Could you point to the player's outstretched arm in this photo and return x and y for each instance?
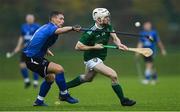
(67, 29)
(81, 47)
(19, 45)
(17, 48)
(161, 46)
(117, 41)
(63, 29)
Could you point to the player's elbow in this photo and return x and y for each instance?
(78, 47)
(139, 45)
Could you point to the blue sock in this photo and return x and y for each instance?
(147, 77)
(35, 76)
(45, 87)
(24, 72)
(147, 74)
(154, 76)
(60, 81)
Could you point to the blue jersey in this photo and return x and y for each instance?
(42, 39)
(27, 31)
(148, 43)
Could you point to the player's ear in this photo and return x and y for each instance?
(53, 18)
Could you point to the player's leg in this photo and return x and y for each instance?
(24, 72)
(44, 89)
(148, 72)
(87, 77)
(89, 73)
(60, 81)
(35, 77)
(107, 71)
(154, 75)
(148, 69)
(40, 65)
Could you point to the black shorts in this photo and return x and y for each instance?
(38, 65)
(148, 59)
(22, 57)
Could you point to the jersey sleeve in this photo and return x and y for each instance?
(52, 30)
(110, 28)
(86, 37)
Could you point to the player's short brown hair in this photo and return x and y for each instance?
(54, 13)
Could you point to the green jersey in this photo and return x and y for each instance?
(91, 38)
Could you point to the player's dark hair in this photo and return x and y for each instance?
(54, 13)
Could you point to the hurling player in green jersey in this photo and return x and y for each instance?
(94, 54)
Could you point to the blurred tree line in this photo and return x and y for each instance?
(165, 14)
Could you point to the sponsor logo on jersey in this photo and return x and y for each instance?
(27, 37)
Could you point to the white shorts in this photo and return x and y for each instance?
(90, 64)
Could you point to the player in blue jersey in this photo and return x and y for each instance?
(38, 47)
(27, 30)
(150, 72)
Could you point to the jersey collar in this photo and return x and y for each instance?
(98, 27)
(53, 24)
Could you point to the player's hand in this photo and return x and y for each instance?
(163, 52)
(98, 46)
(122, 47)
(9, 55)
(76, 28)
(49, 53)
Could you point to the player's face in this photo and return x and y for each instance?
(59, 20)
(106, 20)
(30, 19)
(103, 21)
(147, 26)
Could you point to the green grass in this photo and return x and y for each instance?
(97, 95)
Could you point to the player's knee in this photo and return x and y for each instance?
(89, 80)
(113, 76)
(82, 78)
(22, 65)
(149, 66)
(86, 78)
(50, 78)
(59, 69)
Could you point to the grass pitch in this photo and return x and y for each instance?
(98, 95)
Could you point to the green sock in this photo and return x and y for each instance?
(118, 90)
(75, 82)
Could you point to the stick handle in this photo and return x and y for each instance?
(132, 49)
(136, 50)
(115, 47)
(110, 46)
(144, 51)
(120, 33)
